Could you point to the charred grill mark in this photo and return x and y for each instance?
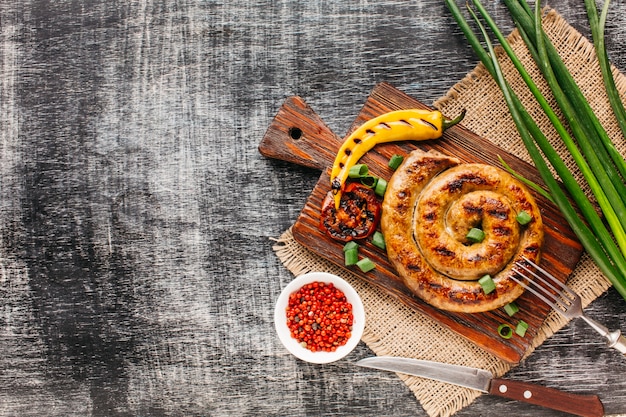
(472, 209)
(457, 185)
(427, 123)
(414, 267)
(502, 231)
(534, 248)
(476, 258)
(443, 251)
(429, 216)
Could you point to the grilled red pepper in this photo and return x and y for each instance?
(357, 216)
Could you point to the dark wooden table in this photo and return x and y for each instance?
(137, 270)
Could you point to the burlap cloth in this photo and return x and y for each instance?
(392, 328)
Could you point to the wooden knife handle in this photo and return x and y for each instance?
(577, 404)
(298, 135)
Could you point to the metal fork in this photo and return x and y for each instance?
(562, 299)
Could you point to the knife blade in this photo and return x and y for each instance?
(482, 380)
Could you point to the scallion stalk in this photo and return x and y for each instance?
(597, 245)
(612, 160)
(597, 25)
(607, 196)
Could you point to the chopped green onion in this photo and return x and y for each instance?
(521, 328)
(486, 282)
(369, 181)
(475, 235)
(378, 240)
(350, 245)
(395, 161)
(381, 187)
(366, 264)
(511, 308)
(358, 171)
(523, 218)
(505, 331)
(351, 256)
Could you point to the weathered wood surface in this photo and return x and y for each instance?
(138, 276)
(298, 132)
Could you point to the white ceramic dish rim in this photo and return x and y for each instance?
(292, 345)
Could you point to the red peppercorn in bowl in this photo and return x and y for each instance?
(319, 317)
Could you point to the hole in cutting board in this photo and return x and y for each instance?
(295, 133)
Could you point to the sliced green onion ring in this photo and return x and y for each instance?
(366, 265)
(351, 256)
(521, 328)
(358, 170)
(475, 235)
(505, 331)
(487, 284)
(381, 187)
(511, 308)
(523, 217)
(395, 161)
(378, 240)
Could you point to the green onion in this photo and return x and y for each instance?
(487, 284)
(523, 217)
(526, 181)
(366, 265)
(475, 235)
(521, 328)
(591, 231)
(395, 161)
(350, 245)
(358, 171)
(505, 331)
(381, 187)
(351, 256)
(511, 308)
(378, 240)
(597, 26)
(369, 181)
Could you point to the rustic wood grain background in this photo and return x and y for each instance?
(137, 271)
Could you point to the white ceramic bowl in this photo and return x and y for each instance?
(292, 345)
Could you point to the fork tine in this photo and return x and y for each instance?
(553, 279)
(551, 302)
(559, 301)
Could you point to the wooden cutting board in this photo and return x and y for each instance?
(298, 135)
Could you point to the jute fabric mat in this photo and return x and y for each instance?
(394, 329)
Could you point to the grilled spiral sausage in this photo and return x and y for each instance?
(431, 203)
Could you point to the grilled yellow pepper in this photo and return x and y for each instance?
(411, 124)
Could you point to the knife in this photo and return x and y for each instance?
(482, 380)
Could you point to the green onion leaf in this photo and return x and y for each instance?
(395, 161)
(487, 284)
(366, 265)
